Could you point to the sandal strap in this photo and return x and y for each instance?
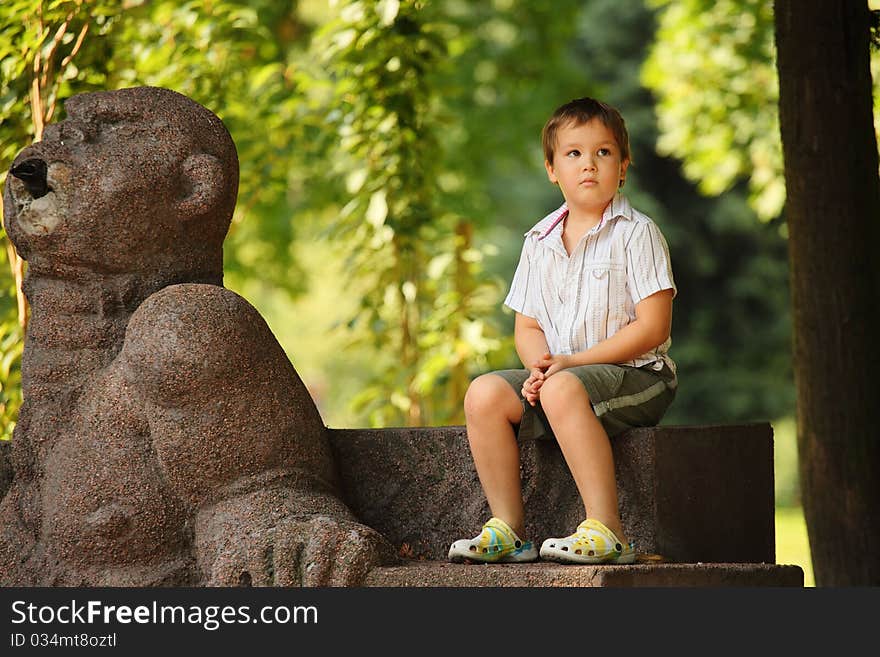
(496, 542)
(598, 526)
(592, 535)
(499, 536)
(496, 538)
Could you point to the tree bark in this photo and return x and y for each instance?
(833, 215)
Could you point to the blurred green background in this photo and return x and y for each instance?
(391, 161)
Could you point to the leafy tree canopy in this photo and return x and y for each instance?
(713, 70)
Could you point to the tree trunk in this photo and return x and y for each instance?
(833, 214)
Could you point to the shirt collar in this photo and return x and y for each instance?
(618, 207)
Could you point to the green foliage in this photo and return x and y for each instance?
(713, 70)
(413, 261)
(434, 104)
(874, 5)
(11, 343)
(792, 543)
(407, 135)
(232, 56)
(785, 464)
(42, 45)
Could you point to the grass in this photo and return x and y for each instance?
(792, 546)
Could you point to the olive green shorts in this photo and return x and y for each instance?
(622, 397)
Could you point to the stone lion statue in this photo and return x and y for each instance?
(164, 438)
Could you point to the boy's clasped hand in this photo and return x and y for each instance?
(540, 371)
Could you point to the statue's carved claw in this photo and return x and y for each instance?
(310, 551)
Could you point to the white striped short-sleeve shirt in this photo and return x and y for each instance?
(582, 299)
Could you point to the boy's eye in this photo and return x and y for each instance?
(573, 153)
(604, 151)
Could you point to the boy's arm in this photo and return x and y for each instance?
(531, 343)
(650, 329)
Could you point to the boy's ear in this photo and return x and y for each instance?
(203, 181)
(550, 173)
(623, 167)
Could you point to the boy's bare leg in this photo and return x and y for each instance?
(585, 445)
(491, 408)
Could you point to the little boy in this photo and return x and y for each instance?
(593, 299)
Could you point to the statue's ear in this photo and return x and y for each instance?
(202, 185)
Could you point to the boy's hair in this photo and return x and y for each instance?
(579, 111)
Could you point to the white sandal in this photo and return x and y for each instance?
(592, 543)
(496, 543)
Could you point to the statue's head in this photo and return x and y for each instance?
(140, 180)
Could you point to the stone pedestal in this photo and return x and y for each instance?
(697, 501)
(687, 494)
(543, 574)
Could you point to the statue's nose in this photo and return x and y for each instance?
(33, 174)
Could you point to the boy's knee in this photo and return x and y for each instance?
(561, 391)
(485, 395)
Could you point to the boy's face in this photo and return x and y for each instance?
(587, 166)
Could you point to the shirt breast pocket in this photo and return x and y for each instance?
(606, 282)
(606, 270)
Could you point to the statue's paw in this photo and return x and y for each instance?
(314, 551)
(325, 551)
(238, 559)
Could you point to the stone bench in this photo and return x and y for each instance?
(545, 574)
(698, 502)
(687, 494)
